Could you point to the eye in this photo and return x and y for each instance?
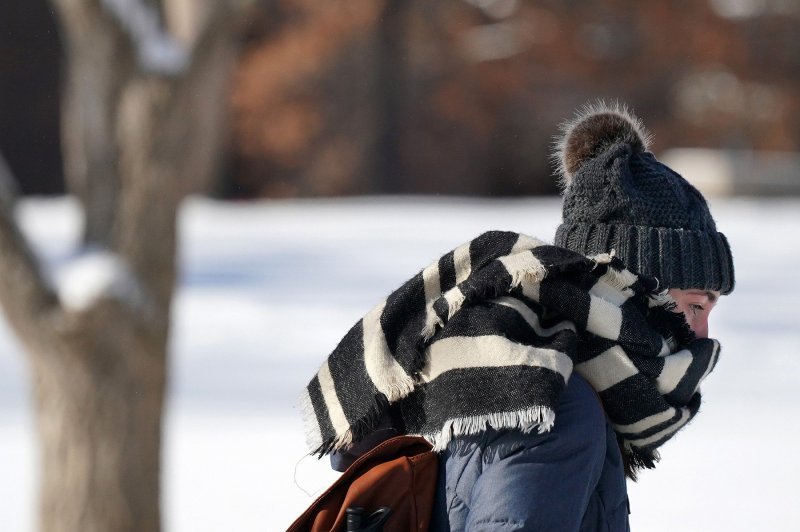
(695, 308)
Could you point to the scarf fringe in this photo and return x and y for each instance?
(641, 459)
(313, 437)
(455, 300)
(340, 443)
(400, 388)
(637, 460)
(432, 321)
(528, 274)
(662, 299)
(538, 417)
(668, 322)
(354, 433)
(622, 280)
(603, 258)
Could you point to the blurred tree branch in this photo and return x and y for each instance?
(24, 293)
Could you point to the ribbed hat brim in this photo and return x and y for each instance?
(678, 258)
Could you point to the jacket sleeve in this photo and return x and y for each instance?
(541, 481)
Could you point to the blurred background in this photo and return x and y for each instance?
(449, 97)
(355, 142)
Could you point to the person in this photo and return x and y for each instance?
(617, 197)
(544, 375)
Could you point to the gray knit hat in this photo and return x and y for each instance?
(618, 196)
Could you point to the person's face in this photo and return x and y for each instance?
(696, 305)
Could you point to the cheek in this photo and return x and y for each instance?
(699, 325)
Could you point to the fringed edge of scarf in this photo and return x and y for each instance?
(540, 418)
(635, 459)
(669, 323)
(354, 433)
(309, 416)
(523, 268)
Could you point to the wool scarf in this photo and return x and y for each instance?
(488, 336)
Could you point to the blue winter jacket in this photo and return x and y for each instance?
(568, 479)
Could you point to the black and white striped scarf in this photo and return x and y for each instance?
(489, 335)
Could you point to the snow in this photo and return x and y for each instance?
(95, 274)
(267, 289)
(156, 49)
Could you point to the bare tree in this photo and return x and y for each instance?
(142, 128)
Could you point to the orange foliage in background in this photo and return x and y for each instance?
(349, 97)
(300, 98)
(463, 97)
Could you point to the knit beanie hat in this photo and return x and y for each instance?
(617, 196)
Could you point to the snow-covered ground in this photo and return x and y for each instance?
(267, 290)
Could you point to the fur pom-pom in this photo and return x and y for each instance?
(595, 128)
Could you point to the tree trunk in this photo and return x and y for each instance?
(137, 139)
(99, 400)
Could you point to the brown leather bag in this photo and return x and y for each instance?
(399, 473)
